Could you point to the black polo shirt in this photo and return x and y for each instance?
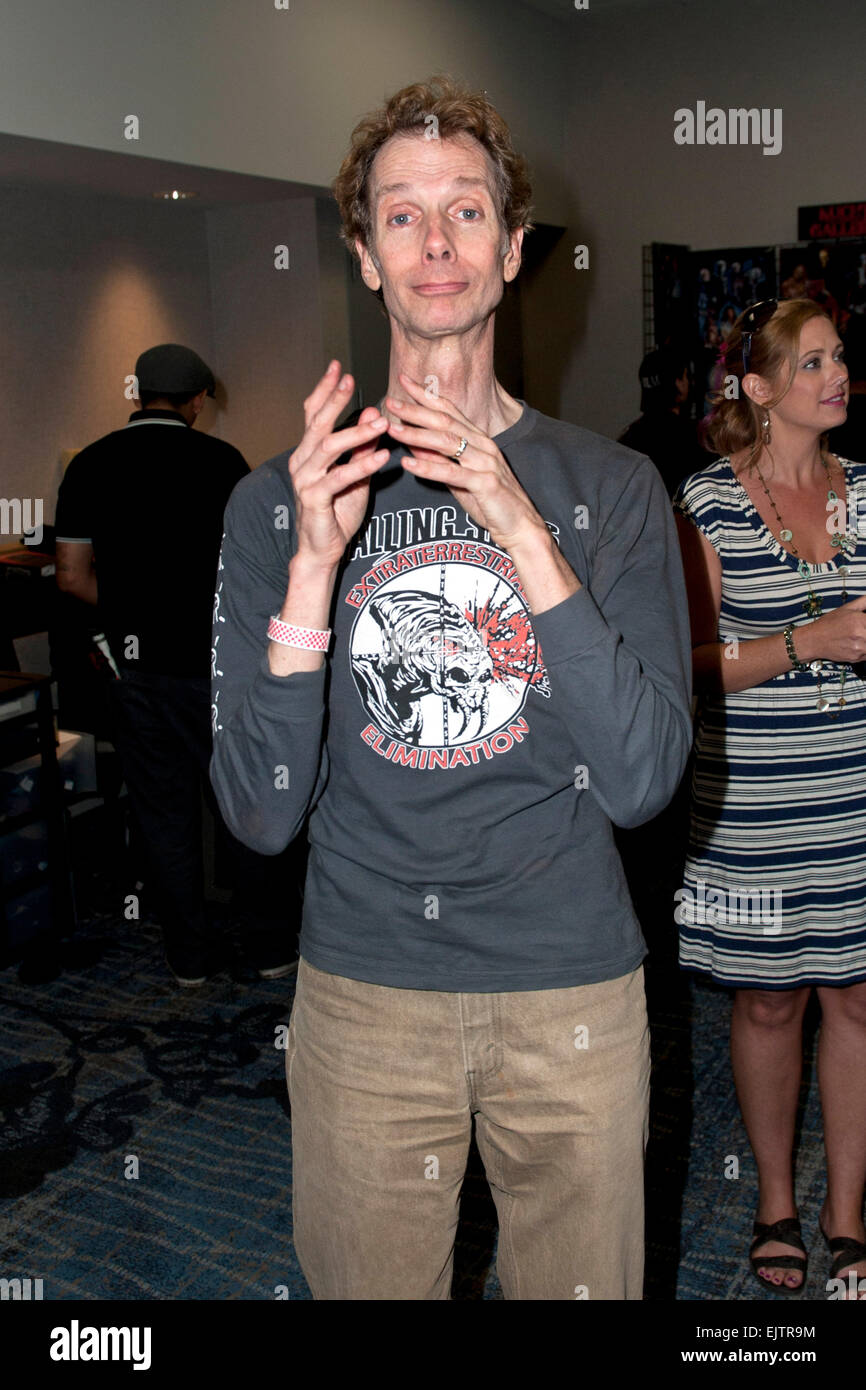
(671, 441)
(150, 499)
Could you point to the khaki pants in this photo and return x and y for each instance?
(383, 1085)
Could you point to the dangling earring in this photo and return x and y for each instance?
(765, 427)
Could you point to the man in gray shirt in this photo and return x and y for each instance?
(454, 633)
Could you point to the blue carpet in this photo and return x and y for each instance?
(112, 1062)
(718, 1211)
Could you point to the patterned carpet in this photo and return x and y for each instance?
(111, 1063)
(699, 1219)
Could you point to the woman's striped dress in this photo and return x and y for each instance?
(774, 894)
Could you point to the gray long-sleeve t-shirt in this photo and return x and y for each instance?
(461, 759)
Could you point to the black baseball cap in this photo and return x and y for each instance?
(171, 370)
(659, 372)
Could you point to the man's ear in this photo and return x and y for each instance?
(372, 278)
(511, 263)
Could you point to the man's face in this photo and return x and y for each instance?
(437, 240)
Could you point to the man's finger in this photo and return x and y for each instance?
(322, 389)
(344, 441)
(416, 390)
(440, 441)
(440, 470)
(432, 416)
(322, 455)
(321, 421)
(440, 419)
(360, 466)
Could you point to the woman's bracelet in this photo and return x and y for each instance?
(307, 639)
(789, 648)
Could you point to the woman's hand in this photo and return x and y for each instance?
(837, 636)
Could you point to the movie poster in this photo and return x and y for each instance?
(831, 273)
(724, 283)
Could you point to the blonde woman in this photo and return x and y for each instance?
(774, 900)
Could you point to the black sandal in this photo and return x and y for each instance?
(847, 1251)
(787, 1231)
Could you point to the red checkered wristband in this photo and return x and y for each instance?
(308, 639)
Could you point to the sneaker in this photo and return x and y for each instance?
(276, 972)
(185, 976)
(193, 961)
(192, 968)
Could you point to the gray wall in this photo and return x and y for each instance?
(590, 99)
(87, 283)
(632, 184)
(268, 323)
(238, 84)
(84, 287)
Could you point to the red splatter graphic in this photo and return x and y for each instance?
(512, 645)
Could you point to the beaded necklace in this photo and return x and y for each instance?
(813, 603)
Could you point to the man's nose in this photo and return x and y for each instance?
(437, 242)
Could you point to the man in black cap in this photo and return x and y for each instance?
(663, 432)
(139, 523)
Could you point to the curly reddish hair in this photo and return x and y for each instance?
(458, 112)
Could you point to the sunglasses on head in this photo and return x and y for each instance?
(754, 320)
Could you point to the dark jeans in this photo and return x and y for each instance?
(162, 730)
